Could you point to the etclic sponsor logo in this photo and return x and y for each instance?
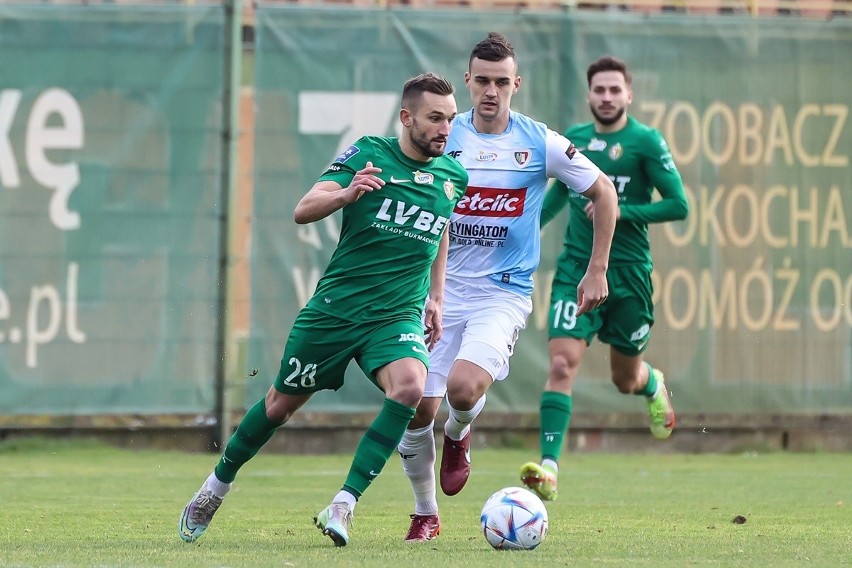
(492, 202)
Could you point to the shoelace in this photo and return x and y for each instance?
(205, 505)
(342, 512)
(543, 477)
(419, 526)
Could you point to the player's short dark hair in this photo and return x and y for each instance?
(608, 63)
(424, 83)
(493, 48)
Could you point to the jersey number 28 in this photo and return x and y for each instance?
(306, 376)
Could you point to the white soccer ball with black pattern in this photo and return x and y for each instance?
(514, 518)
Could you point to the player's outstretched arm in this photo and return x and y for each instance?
(326, 197)
(593, 290)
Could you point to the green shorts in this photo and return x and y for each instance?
(624, 321)
(321, 346)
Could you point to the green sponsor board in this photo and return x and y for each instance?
(753, 292)
(110, 129)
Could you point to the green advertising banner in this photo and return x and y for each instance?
(753, 292)
(110, 141)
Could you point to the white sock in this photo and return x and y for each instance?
(219, 488)
(551, 464)
(344, 496)
(417, 450)
(457, 425)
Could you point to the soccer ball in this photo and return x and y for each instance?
(514, 519)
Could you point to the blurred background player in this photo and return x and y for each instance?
(494, 250)
(637, 159)
(393, 243)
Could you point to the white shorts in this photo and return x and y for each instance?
(480, 325)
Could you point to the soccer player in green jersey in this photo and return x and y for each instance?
(637, 159)
(383, 285)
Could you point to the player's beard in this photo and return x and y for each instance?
(427, 146)
(608, 120)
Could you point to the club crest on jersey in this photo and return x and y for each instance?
(486, 156)
(596, 145)
(423, 178)
(522, 157)
(347, 153)
(616, 152)
(449, 189)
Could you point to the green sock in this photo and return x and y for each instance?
(377, 445)
(254, 431)
(555, 417)
(651, 386)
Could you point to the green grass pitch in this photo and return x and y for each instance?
(85, 504)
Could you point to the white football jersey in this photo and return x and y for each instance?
(494, 229)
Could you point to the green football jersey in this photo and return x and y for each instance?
(637, 160)
(388, 237)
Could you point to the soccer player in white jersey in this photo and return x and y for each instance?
(494, 250)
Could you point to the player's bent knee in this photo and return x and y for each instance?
(560, 369)
(406, 389)
(465, 395)
(407, 396)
